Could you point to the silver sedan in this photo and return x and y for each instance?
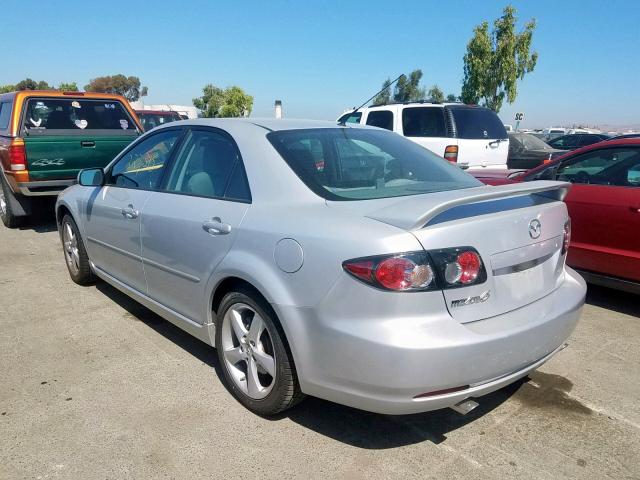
(343, 262)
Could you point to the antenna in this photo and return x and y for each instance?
(344, 122)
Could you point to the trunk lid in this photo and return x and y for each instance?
(522, 265)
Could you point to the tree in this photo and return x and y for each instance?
(436, 94)
(408, 89)
(29, 84)
(384, 97)
(68, 87)
(128, 87)
(495, 61)
(7, 88)
(452, 98)
(230, 102)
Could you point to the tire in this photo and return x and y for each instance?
(7, 215)
(248, 357)
(75, 254)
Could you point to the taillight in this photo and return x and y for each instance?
(402, 273)
(17, 155)
(566, 237)
(420, 271)
(459, 267)
(451, 153)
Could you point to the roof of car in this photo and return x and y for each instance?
(269, 124)
(157, 112)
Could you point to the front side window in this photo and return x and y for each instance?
(477, 123)
(361, 164)
(351, 117)
(209, 165)
(45, 114)
(381, 118)
(142, 166)
(423, 122)
(609, 166)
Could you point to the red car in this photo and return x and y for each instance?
(604, 205)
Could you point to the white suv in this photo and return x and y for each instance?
(469, 135)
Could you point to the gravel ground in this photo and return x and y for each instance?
(95, 386)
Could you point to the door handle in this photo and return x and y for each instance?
(634, 208)
(215, 226)
(87, 144)
(130, 212)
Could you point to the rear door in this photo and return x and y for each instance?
(482, 138)
(64, 135)
(189, 226)
(427, 126)
(604, 205)
(112, 216)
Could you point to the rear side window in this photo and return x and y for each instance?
(381, 118)
(362, 164)
(44, 114)
(5, 114)
(207, 166)
(423, 122)
(477, 123)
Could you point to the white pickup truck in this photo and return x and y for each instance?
(471, 136)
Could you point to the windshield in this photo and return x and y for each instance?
(151, 120)
(477, 123)
(362, 164)
(531, 143)
(75, 114)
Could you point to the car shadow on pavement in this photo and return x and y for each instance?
(344, 424)
(616, 300)
(43, 218)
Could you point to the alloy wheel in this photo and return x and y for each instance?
(71, 253)
(248, 351)
(3, 203)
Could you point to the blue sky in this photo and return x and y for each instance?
(323, 57)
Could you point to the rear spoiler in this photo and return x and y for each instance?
(417, 212)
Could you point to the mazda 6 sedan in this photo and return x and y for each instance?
(343, 262)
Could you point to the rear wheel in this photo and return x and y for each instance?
(7, 215)
(257, 365)
(75, 254)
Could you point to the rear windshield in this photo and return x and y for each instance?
(152, 120)
(362, 164)
(530, 142)
(478, 123)
(44, 114)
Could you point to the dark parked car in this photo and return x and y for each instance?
(153, 118)
(527, 151)
(577, 140)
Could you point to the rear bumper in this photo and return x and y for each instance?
(382, 363)
(44, 187)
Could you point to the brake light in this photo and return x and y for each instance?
(566, 237)
(17, 155)
(403, 272)
(451, 153)
(420, 271)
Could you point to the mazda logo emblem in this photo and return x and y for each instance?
(535, 228)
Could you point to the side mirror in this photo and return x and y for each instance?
(91, 177)
(633, 175)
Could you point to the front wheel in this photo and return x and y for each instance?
(258, 367)
(75, 254)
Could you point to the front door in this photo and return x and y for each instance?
(189, 226)
(604, 206)
(112, 215)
